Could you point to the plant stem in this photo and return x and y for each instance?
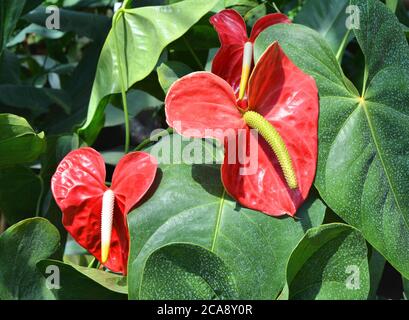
(197, 60)
(123, 83)
(276, 8)
(38, 206)
(91, 263)
(342, 47)
(149, 140)
(365, 80)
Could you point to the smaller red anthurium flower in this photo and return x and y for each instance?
(282, 107)
(228, 62)
(95, 215)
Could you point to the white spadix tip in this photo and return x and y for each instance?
(108, 203)
(245, 73)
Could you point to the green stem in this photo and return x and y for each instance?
(365, 80)
(192, 52)
(126, 4)
(123, 83)
(155, 137)
(342, 47)
(91, 263)
(40, 197)
(276, 8)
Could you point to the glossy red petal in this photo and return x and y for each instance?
(257, 182)
(288, 99)
(227, 62)
(267, 21)
(78, 186)
(202, 105)
(230, 26)
(133, 177)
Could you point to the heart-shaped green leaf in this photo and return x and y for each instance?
(18, 141)
(364, 138)
(191, 206)
(330, 263)
(132, 50)
(21, 247)
(168, 274)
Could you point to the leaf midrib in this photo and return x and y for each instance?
(378, 151)
(218, 220)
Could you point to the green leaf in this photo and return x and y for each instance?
(137, 37)
(21, 247)
(328, 18)
(330, 263)
(17, 183)
(37, 100)
(168, 274)
(392, 4)
(76, 282)
(405, 288)
(93, 26)
(38, 31)
(9, 68)
(363, 159)
(138, 101)
(376, 267)
(191, 206)
(169, 72)
(10, 11)
(18, 141)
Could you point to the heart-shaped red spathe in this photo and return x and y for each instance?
(78, 186)
(232, 32)
(285, 97)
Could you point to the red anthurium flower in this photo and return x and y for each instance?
(94, 214)
(235, 44)
(282, 106)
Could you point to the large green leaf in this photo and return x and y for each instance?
(17, 183)
(330, 263)
(76, 282)
(364, 142)
(132, 50)
(21, 247)
(37, 100)
(191, 206)
(169, 275)
(18, 141)
(93, 26)
(328, 18)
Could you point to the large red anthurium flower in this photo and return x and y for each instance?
(282, 107)
(95, 215)
(232, 31)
